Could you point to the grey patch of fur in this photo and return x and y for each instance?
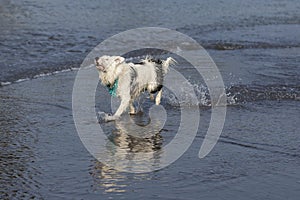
(133, 84)
(160, 73)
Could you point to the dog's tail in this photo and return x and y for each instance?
(166, 63)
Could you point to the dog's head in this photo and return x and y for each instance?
(107, 64)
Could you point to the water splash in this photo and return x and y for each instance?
(236, 94)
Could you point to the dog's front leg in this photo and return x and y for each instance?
(123, 106)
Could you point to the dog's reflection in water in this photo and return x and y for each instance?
(131, 148)
(139, 135)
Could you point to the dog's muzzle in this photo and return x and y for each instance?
(101, 68)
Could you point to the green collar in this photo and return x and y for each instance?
(112, 89)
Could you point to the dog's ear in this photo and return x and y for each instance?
(119, 59)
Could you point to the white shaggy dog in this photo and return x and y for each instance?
(129, 80)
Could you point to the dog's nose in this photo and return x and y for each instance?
(96, 58)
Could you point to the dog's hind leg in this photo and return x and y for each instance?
(158, 97)
(152, 97)
(131, 108)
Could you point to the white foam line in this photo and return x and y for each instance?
(5, 83)
(42, 75)
(38, 76)
(89, 66)
(22, 80)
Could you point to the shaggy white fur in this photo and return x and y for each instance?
(133, 79)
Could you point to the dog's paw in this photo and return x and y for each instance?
(104, 117)
(109, 118)
(151, 97)
(132, 113)
(101, 117)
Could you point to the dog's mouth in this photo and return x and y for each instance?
(101, 68)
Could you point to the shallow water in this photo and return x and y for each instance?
(255, 45)
(43, 157)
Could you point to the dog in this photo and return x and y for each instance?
(128, 80)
